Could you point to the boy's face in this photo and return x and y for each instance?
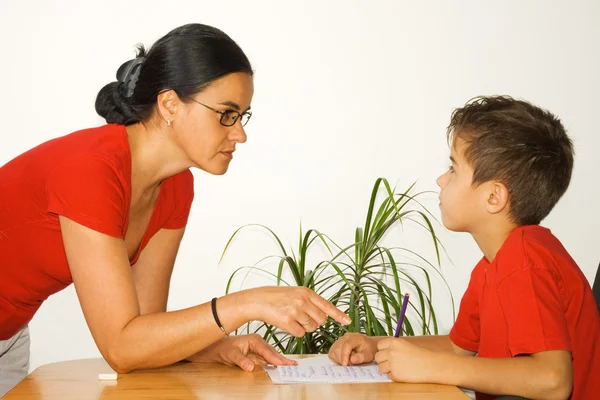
(462, 204)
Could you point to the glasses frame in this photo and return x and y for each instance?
(238, 116)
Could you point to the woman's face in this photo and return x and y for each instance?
(208, 143)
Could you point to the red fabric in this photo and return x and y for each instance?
(532, 297)
(84, 176)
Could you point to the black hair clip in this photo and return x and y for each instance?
(128, 75)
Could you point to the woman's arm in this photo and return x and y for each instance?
(153, 269)
(130, 340)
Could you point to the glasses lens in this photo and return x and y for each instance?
(229, 117)
(246, 117)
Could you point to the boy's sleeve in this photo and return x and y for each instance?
(530, 300)
(183, 196)
(87, 189)
(466, 330)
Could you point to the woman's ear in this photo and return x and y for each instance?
(498, 198)
(168, 103)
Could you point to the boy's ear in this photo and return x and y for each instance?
(497, 199)
(167, 104)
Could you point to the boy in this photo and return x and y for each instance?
(528, 313)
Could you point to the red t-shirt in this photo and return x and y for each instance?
(532, 297)
(85, 176)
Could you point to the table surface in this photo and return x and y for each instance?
(78, 379)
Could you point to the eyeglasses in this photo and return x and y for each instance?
(229, 117)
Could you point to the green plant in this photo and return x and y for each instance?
(364, 279)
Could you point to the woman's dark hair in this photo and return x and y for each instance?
(187, 60)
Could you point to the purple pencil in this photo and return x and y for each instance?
(402, 314)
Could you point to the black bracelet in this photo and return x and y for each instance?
(213, 304)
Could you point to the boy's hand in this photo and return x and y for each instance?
(405, 362)
(352, 349)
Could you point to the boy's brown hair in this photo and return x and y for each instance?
(522, 146)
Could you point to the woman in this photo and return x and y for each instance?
(106, 208)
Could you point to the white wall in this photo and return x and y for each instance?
(345, 92)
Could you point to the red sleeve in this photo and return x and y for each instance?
(466, 330)
(530, 300)
(182, 196)
(90, 191)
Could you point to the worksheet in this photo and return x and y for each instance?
(321, 369)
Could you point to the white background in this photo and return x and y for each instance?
(346, 92)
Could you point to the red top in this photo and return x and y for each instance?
(85, 176)
(532, 297)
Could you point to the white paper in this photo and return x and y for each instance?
(321, 369)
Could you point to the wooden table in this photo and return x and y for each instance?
(79, 380)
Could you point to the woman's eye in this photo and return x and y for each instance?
(232, 116)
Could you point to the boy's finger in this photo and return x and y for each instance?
(357, 358)
(384, 367)
(384, 344)
(381, 356)
(346, 352)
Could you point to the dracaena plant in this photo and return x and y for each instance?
(365, 279)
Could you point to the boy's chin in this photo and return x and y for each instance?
(452, 226)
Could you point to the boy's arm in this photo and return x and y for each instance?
(543, 375)
(439, 343)
(356, 348)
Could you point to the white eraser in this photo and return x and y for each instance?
(107, 377)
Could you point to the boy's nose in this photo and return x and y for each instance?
(439, 181)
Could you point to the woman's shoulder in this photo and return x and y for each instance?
(106, 145)
(108, 141)
(107, 138)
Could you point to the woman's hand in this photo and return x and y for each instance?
(296, 310)
(245, 351)
(353, 349)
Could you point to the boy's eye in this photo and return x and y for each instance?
(451, 169)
